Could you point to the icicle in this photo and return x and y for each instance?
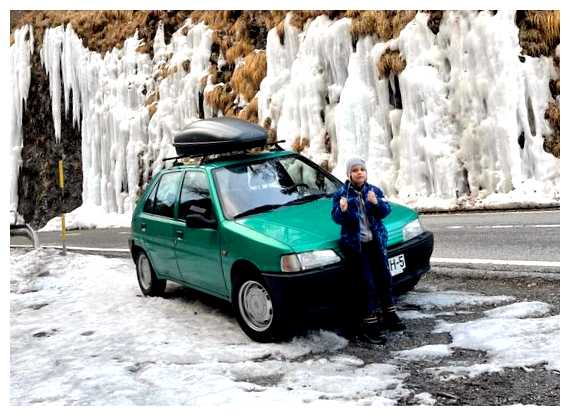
(279, 61)
(20, 71)
(180, 92)
(362, 125)
(51, 59)
(298, 85)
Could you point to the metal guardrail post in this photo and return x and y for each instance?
(25, 230)
(33, 236)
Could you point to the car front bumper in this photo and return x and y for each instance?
(327, 287)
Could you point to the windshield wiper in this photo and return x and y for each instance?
(307, 198)
(269, 207)
(257, 210)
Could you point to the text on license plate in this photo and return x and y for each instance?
(397, 264)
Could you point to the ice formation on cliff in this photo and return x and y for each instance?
(122, 145)
(469, 131)
(466, 101)
(20, 64)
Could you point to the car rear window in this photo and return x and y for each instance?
(162, 199)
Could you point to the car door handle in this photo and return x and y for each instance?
(180, 234)
(143, 227)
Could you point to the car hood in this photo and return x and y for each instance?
(302, 227)
(309, 226)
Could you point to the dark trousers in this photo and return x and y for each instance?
(371, 280)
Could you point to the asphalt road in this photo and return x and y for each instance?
(504, 235)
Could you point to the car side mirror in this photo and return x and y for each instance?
(199, 221)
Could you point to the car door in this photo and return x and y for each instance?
(198, 249)
(157, 224)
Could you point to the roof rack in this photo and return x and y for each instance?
(208, 157)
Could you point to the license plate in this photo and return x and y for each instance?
(397, 264)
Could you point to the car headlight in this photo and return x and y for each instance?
(308, 260)
(412, 229)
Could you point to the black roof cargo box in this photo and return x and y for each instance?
(218, 135)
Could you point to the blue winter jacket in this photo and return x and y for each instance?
(349, 221)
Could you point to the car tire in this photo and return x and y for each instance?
(258, 311)
(149, 284)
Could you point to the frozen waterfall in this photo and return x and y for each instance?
(469, 131)
(466, 100)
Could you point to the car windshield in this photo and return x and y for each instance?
(264, 185)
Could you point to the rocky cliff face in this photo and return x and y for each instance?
(39, 194)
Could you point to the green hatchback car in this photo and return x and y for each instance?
(256, 230)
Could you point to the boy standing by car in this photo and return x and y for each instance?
(359, 208)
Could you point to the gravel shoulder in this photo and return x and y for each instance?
(523, 385)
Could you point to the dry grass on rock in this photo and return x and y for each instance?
(249, 113)
(539, 31)
(248, 76)
(101, 31)
(221, 98)
(386, 24)
(539, 35)
(552, 142)
(391, 62)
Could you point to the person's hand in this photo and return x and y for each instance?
(343, 204)
(372, 198)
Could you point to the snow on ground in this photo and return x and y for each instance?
(82, 334)
(90, 216)
(430, 300)
(508, 338)
(426, 352)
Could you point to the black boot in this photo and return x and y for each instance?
(371, 330)
(391, 321)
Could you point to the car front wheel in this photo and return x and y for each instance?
(258, 313)
(148, 282)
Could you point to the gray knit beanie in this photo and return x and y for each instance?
(352, 162)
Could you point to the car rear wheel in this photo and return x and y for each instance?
(258, 313)
(148, 282)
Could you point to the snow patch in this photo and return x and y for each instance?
(423, 353)
(508, 342)
(90, 216)
(410, 315)
(425, 399)
(446, 299)
(519, 310)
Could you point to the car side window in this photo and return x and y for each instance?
(195, 196)
(166, 194)
(149, 203)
